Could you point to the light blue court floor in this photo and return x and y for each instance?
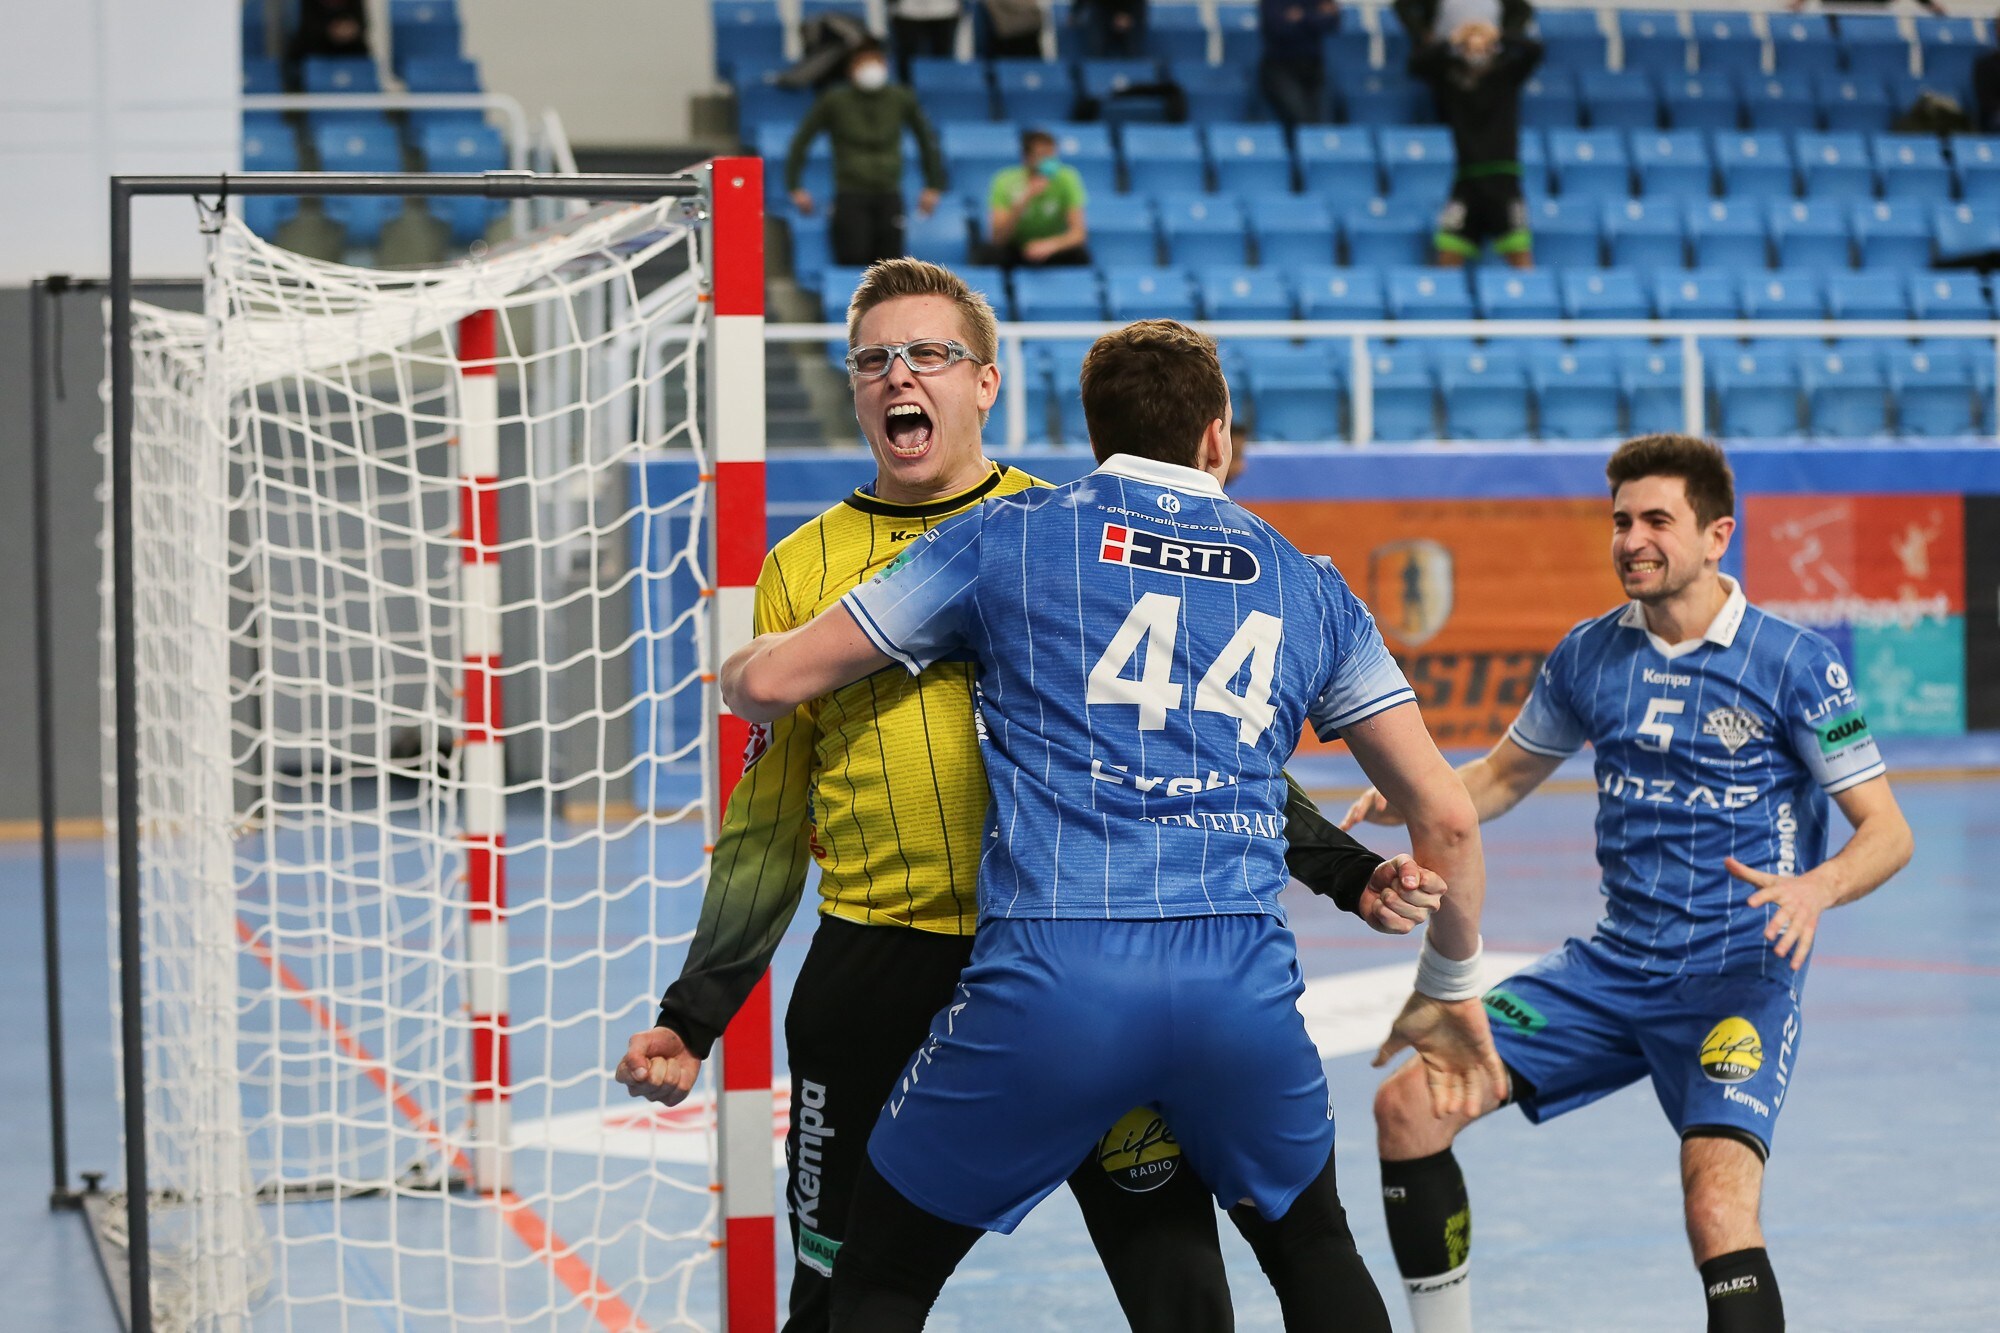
(1882, 1209)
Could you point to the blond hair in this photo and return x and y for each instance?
(889, 279)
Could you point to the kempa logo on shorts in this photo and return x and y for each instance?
(1732, 1052)
(1217, 561)
(1514, 1011)
(1734, 727)
(1140, 1153)
(814, 1131)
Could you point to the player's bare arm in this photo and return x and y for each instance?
(1881, 846)
(775, 673)
(1496, 782)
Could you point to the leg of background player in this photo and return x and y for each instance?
(895, 1262)
(1722, 1178)
(1423, 1196)
(1309, 1256)
(1158, 1245)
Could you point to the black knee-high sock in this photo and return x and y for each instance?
(1742, 1293)
(894, 1261)
(1430, 1218)
(1309, 1256)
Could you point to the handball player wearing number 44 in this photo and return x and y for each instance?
(1719, 732)
(1148, 653)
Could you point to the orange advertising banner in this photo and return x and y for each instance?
(1469, 594)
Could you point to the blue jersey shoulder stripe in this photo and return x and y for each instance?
(1380, 704)
(877, 637)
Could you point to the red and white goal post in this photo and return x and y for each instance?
(425, 582)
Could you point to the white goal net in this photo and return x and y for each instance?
(427, 770)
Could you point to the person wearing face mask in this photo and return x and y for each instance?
(1034, 212)
(1476, 78)
(865, 119)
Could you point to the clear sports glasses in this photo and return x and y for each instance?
(925, 356)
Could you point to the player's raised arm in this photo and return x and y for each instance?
(1496, 782)
(774, 673)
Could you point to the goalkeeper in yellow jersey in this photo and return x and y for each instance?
(882, 784)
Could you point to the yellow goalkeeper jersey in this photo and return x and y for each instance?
(880, 782)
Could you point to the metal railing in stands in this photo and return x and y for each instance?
(1690, 334)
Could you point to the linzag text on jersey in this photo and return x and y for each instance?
(1666, 791)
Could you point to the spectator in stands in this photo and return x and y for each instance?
(922, 28)
(329, 28)
(1476, 78)
(1986, 93)
(1436, 20)
(1035, 212)
(865, 119)
(1292, 72)
(1014, 28)
(1111, 28)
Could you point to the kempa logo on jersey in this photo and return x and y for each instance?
(1140, 1153)
(1670, 679)
(1218, 562)
(1734, 727)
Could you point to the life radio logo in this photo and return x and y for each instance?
(1217, 561)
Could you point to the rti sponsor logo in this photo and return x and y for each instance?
(1140, 1153)
(1671, 679)
(1732, 1052)
(1218, 562)
(1515, 1012)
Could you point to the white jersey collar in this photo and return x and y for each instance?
(1155, 473)
(1721, 631)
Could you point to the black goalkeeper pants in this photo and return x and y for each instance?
(864, 1001)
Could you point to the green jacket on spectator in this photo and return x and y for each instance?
(866, 128)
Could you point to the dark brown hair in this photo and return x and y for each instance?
(1029, 138)
(1700, 464)
(1150, 389)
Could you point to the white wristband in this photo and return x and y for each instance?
(1445, 979)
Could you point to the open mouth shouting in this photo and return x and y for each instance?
(1639, 569)
(907, 430)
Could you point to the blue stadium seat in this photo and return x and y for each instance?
(1727, 233)
(1242, 35)
(943, 237)
(1338, 161)
(1505, 293)
(1964, 229)
(1104, 78)
(1148, 293)
(1756, 397)
(1651, 378)
(265, 213)
(1577, 393)
(1088, 148)
(1418, 162)
(1123, 230)
(1486, 395)
(1057, 294)
(1867, 295)
(1384, 232)
(358, 147)
(340, 74)
(1810, 234)
(1950, 46)
(425, 28)
(1177, 32)
(1386, 97)
(1036, 402)
(1403, 389)
(1549, 100)
(1164, 160)
(1619, 99)
(1931, 397)
(1416, 292)
(1847, 395)
(812, 253)
(256, 29)
(1701, 294)
(1349, 52)
(1672, 162)
(1644, 233)
(1608, 293)
(1590, 163)
(1803, 44)
(1783, 294)
(1891, 234)
(760, 102)
(1949, 296)
(361, 217)
(951, 89)
(772, 142)
(1757, 165)
(1701, 102)
(748, 30)
(1911, 166)
(262, 76)
(268, 143)
(1853, 102)
(1975, 160)
(1653, 41)
(1534, 157)
(1249, 158)
(1835, 166)
(1217, 93)
(1296, 391)
(1064, 362)
(1341, 293)
(1291, 229)
(466, 148)
(1202, 229)
(837, 284)
(1033, 92)
(1775, 102)
(1875, 45)
(1566, 232)
(1572, 38)
(1235, 292)
(441, 74)
(1726, 44)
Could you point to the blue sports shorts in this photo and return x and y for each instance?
(1061, 1027)
(1582, 1022)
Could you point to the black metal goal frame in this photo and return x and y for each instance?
(124, 189)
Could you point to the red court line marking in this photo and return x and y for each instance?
(1835, 960)
(533, 1230)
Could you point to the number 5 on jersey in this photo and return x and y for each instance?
(1152, 629)
(1656, 733)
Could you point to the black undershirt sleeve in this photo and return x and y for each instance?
(1321, 855)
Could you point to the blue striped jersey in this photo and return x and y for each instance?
(1726, 745)
(1148, 653)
